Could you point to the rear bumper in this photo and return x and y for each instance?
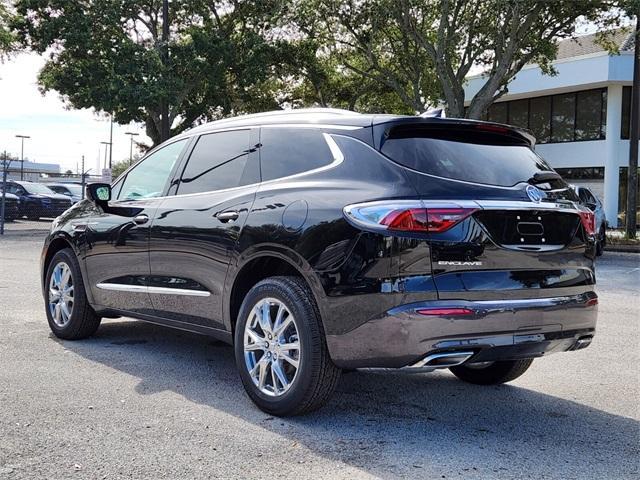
(491, 330)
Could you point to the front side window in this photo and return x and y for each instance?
(149, 177)
(218, 161)
(288, 151)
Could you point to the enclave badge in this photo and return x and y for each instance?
(534, 193)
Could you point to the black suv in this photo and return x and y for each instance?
(321, 240)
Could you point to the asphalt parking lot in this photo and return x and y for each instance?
(141, 401)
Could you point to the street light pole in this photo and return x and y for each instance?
(131, 135)
(111, 142)
(106, 152)
(22, 137)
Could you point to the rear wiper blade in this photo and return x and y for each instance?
(544, 177)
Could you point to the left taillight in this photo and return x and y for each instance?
(588, 219)
(407, 216)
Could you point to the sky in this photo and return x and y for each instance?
(58, 135)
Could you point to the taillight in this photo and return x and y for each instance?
(407, 216)
(588, 220)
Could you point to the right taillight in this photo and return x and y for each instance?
(407, 216)
(588, 220)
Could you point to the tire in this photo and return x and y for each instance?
(602, 241)
(311, 384)
(494, 373)
(82, 322)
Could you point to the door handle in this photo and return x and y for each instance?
(228, 216)
(140, 219)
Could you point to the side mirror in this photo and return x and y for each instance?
(591, 206)
(99, 193)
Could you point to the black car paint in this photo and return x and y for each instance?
(359, 278)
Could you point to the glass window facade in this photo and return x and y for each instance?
(566, 117)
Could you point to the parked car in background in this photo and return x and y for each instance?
(321, 240)
(593, 203)
(71, 190)
(37, 200)
(11, 206)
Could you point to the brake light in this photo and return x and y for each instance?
(588, 219)
(435, 220)
(407, 216)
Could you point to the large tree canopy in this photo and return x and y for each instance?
(235, 56)
(424, 49)
(108, 55)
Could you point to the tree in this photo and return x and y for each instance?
(118, 168)
(108, 55)
(7, 38)
(424, 49)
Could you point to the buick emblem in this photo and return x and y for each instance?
(534, 193)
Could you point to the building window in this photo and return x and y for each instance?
(563, 118)
(498, 112)
(519, 113)
(540, 118)
(566, 117)
(626, 113)
(590, 115)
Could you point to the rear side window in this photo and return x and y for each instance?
(287, 151)
(218, 161)
(467, 155)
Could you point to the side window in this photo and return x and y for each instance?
(287, 151)
(149, 177)
(218, 161)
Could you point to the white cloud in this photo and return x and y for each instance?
(58, 135)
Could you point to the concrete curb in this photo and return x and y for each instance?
(622, 248)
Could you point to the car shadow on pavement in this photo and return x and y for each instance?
(386, 423)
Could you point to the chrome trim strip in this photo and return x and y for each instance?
(120, 287)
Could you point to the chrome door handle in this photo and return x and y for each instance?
(228, 216)
(141, 219)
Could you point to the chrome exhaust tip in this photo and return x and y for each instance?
(440, 360)
(582, 342)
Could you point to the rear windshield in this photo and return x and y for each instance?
(471, 156)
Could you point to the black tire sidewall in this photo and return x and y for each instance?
(301, 309)
(79, 297)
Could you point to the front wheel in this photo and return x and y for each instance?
(280, 348)
(492, 373)
(69, 314)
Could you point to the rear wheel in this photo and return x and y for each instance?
(68, 311)
(491, 373)
(280, 348)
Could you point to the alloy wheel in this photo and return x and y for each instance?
(271, 347)
(61, 294)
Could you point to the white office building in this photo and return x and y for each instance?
(581, 116)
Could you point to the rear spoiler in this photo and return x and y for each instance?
(448, 128)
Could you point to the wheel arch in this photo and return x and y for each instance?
(262, 264)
